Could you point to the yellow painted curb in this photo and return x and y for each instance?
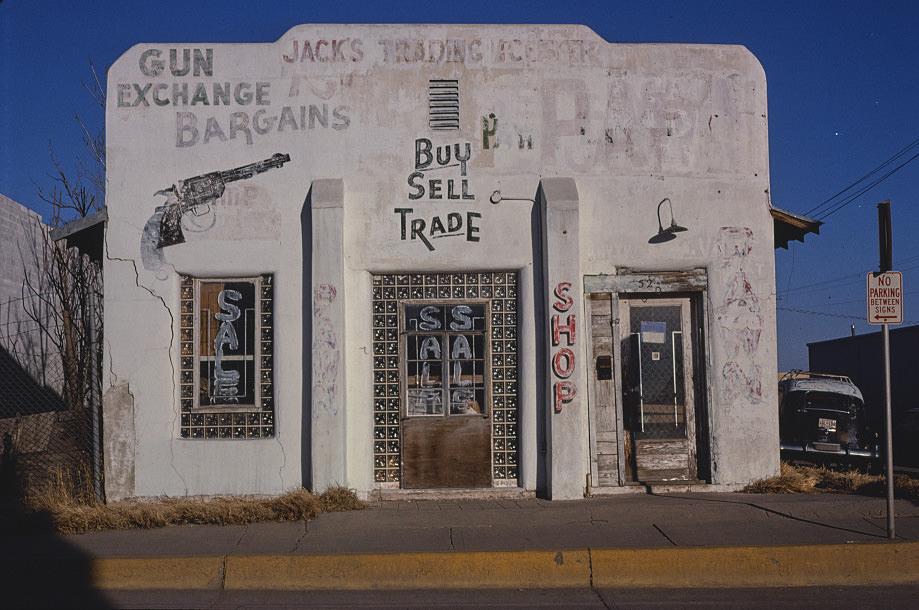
(787, 566)
(178, 573)
(526, 569)
(764, 566)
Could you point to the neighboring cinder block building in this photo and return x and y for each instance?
(438, 257)
(25, 352)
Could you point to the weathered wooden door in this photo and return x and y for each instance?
(657, 389)
(446, 423)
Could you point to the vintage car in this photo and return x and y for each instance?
(823, 418)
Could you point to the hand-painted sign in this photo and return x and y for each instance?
(429, 158)
(563, 360)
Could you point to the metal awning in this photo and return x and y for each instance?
(788, 226)
(87, 234)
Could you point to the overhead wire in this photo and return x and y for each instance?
(836, 203)
(843, 280)
(838, 315)
(833, 204)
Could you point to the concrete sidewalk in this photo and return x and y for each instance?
(662, 540)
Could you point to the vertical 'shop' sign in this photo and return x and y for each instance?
(563, 360)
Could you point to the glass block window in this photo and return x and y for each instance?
(226, 344)
(484, 347)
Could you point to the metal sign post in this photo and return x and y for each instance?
(889, 434)
(885, 306)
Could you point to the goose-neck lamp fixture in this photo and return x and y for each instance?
(671, 231)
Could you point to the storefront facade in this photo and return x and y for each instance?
(405, 258)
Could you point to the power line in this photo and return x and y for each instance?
(855, 196)
(836, 315)
(849, 302)
(822, 313)
(833, 204)
(844, 280)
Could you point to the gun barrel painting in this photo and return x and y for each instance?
(164, 228)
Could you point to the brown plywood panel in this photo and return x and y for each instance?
(662, 460)
(662, 446)
(608, 469)
(446, 452)
(657, 476)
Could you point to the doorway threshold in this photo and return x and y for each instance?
(484, 493)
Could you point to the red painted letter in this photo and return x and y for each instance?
(568, 355)
(568, 329)
(561, 293)
(564, 393)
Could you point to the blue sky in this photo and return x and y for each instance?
(843, 85)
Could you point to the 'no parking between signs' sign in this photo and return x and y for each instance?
(885, 298)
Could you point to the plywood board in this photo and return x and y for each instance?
(446, 452)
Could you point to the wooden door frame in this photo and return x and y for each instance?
(684, 302)
(627, 282)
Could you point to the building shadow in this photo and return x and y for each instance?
(38, 568)
(306, 413)
(22, 394)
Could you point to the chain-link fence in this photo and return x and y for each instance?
(51, 444)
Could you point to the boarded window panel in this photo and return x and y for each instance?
(662, 460)
(447, 452)
(209, 308)
(227, 360)
(226, 318)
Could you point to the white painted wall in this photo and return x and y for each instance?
(630, 124)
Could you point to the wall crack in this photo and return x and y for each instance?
(137, 283)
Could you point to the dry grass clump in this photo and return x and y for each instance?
(820, 479)
(69, 515)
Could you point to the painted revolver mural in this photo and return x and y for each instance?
(196, 195)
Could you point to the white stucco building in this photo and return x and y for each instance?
(511, 259)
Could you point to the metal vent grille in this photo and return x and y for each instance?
(443, 105)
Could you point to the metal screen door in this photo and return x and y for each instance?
(657, 374)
